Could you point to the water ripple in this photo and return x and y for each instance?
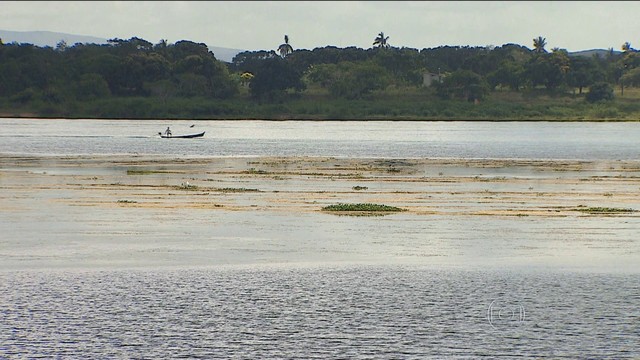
(351, 312)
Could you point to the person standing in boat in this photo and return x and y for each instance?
(167, 132)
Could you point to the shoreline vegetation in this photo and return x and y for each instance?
(414, 105)
(137, 80)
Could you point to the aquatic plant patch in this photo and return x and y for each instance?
(604, 210)
(365, 207)
(230, 189)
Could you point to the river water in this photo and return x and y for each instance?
(269, 286)
(401, 139)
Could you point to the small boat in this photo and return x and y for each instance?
(189, 136)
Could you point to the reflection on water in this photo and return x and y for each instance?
(359, 312)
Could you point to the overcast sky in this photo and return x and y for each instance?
(261, 25)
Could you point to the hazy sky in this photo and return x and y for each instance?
(261, 25)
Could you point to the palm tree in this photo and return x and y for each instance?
(538, 44)
(285, 49)
(381, 41)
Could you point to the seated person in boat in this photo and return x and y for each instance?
(167, 132)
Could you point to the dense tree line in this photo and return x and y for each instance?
(138, 68)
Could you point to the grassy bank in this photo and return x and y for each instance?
(406, 104)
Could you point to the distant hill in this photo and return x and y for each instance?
(224, 54)
(49, 38)
(592, 52)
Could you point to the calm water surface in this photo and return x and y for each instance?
(531, 140)
(280, 295)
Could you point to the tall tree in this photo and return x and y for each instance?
(548, 69)
(630, 60)
(381, 41)
(583, 72)
(509, 73)
(464, 85)
(538, 44)
(273, 78)
(285, 49)
(351, 80)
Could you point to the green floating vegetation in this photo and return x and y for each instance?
(230, 189)
(604, 210)
(358, 187)
(364, 207)
(127, 201)
(139, 172)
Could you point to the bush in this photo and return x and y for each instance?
(24, 96)
(602, 111)
(361, 207)
(600, 91)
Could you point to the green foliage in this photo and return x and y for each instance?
(136, 79)
(539, 43)
(547, 69)
(286, 48)
(368, 207)
(604, 111)
(24, 96)
(464, 85)
(127, 68)
(604, 210)
(403, 65)
(350, 80)
(273, 78)
(237, 190)
(250, 61)
(632, 77)
(381, 41)
(508, 74)
(630, 59)
(91, 86)
(600, 91)
(583, 72)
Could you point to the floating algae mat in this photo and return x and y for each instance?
(361, 209)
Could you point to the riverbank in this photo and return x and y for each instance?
(414, 104)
